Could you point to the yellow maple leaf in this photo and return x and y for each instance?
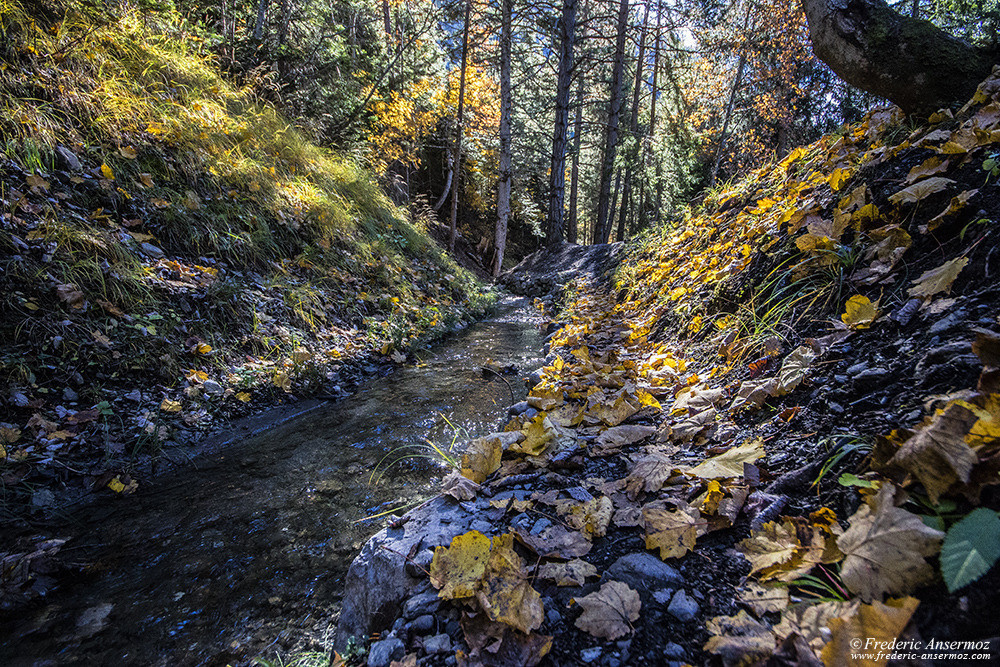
(457, 569)
(939, 279)
(170, 406)
(859, 312)
(106, 171)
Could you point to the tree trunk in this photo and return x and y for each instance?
(557, 173)
(633, 127)
(602, 227)
(258, 26)
(504, 182)
(909, 61)
(572, 224)
(649, 144)
(457, 160)
(729, 115)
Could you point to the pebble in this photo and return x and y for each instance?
(682, 607)
(212, 387)
(663, 596)
(553, 616)
(675, 651)
(420, 564)
(438, 644)
(152, 250)
(421, 625)
(540, 525)
(382, 653)
(947, 323)
(418, 605)
(857, 369)
(590, 654)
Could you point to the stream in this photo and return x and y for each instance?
(244, 553)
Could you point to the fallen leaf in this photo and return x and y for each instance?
(170, 406)
(146, 179)
(282, 380)
(763, 599)
(753, 393)
(537, 435)
(672, 531)
(107, 173)
(938, 280)
(920, 190)
(730, 463)
(885, 549)
(688, 429)
(937, 453)
(36, 183)
(929, 167)
(481, 458)
(811, 622)
(794, 369)
(591, 517)
(127, 152)
(457, 569)
(608, 613)
(860, 312)
(649, 474)
(459, 487)
(787, 549)
(494, 644)
(571, 573)
(877, 622)
(739, 639)
(956, 204)
(505, 593)
(556, 542)
(71, 295)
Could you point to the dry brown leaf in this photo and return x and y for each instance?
(885, 549)
(619, 436)
(788, 549)
(938, 454)
(608, 613)
(730, 463)
(570, 573)
(688, 429)
(938, 280)
(876, 622)
(794, 369)
(672, 531)
(987, 347)
(956, 204)
(739, 640)
(481, 458)
(649, 474)
(929, 167)
(71, 295)
(763, 599)
(591, 517)
(459, 487)
(812, 621)
(556, 542)
(920, 190)
(612, 414)
(537, 435)
(753, 393)
(497, 645)
(692, 400)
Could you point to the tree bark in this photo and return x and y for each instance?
(557, 172)
(457, 160)
(504, 181)
(258, 26)
(572, 224)
(602, 227)
(909, 61)
(633, 127)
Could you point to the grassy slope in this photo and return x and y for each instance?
(202, 239)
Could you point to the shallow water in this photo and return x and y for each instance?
(246, 554)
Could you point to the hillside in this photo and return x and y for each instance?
(175, 253)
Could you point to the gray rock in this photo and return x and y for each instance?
(857, 369)
(418, 605)
(643, 571)
(43, 498)
(69, 394)
(377, 581)
(382, 653)
(675, 651)
(483, 526)
(872, 374)
(152, 250)
(422, 625)
(517, 409)
(540, 525)
(948, 323)
(553, 616)
(420, 564)
(67, 159)
(212, 387)
(663, 596)
(590, 654)
(438, 644)
(93, 620)
(682, 607)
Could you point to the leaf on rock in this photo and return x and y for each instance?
(591, 517)
(885, 549)
(459, 487)
(494, 644)
(570, 573)
(929, 167)
(616, 437)
(987, 347)
(938, 454)
(537, 436)
(971, 548)
(692, 400)
(457, 569)
(556, 542)
(739, 639)
(938, 280)
(505, 593)
(690, 428)
(920, 190)
(878, 622)
(612, 414)
(730, 463)
(860, 312)
(753, 393)
(608, 613)
(481, 458)
(673, 532)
